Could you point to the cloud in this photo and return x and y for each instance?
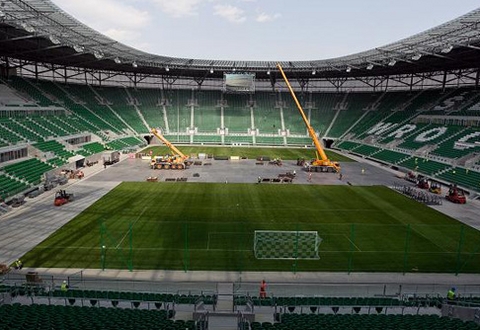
(230, 13)
(122, 34)
(129, 37)
(179, 8)
(106, 14)
(264, 17)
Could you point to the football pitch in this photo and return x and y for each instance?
(211, 226)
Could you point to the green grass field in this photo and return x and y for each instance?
(208, 226)
(251, 153)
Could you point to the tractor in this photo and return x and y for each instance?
(422, 182)
(435, 188)
(456, 195)
(62, 197)
(411, 176)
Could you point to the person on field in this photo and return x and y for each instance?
(263, 289)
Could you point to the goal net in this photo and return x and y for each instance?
(279, 244)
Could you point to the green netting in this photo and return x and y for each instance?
(270, 244)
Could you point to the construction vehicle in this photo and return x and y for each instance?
(422, 182)
(62, 197)
(17, 201)
(321, 163)
(177, 161)
(411, 176)
(435, 188)
(456, 195)
(276, 161)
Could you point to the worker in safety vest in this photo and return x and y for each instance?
(64, 286)
(18, 264)
(451, 294)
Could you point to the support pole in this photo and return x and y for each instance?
(185, 248)
(405, 252)
(459, 249)
(352, 247)
(130, 251)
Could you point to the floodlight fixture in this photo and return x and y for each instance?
(392, 62)
(27, 27)
(447, 49)
(134, 64)
(117, 60)
(349, 69)
(54, 39)
(79, 48)
(268, 72)
(416, 57)
(211, 70)
(369, 66)
(98, 54)
(314, 72)
(167, 68)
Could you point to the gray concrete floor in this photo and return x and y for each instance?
(25, 227)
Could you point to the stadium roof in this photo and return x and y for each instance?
(38, 30)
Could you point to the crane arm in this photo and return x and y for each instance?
(311, 131)
(168, 144)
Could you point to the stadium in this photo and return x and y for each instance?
(143, 191)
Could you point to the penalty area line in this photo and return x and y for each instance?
(355, 245)
(133, 224)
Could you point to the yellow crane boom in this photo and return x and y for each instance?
(322, 159)
(168, 144)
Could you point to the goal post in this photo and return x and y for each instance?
(279, 244)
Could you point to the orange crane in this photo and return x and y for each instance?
(321, 163)
(176, 161)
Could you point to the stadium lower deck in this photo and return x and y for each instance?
(25, 227)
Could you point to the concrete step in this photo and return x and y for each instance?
(225, 288)
(224, 304)
(222, 322)
(225, 297)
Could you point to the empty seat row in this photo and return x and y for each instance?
(27, 317)
(364, 321)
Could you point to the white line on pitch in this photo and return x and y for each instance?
(124, 236)
(352, 243)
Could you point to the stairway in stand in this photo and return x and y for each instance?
(223, 317)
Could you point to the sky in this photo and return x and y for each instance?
(265, 30)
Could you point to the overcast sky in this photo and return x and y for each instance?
(262, 29)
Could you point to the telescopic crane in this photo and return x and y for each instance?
(176, 161)
(321, 163)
